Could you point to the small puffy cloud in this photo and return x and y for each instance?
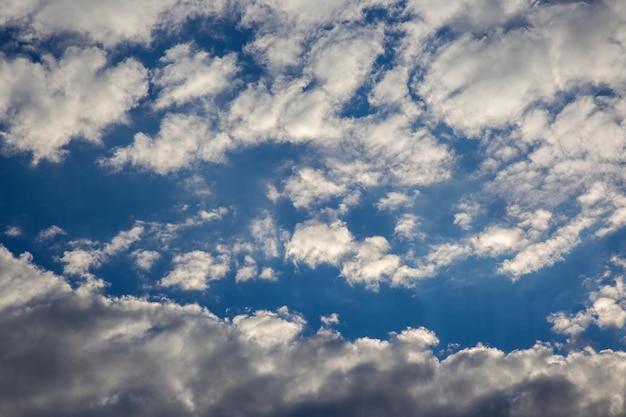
(394, 200)
(330, 320)
(188, 75)
(314, 243)
(606, 308)
(268, 274)
(193, 270)
(92, 254)
(12, 231)
(311, 187)
(247, 271)
(546, 253)
(45, 105)
(406, 226)
(182, 139)
(495, 241)
(145, 259)
(50, 233)
(269, 238)
(371, 262)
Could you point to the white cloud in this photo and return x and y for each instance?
(371, 263)
(546, 253)
(44, 105)
(311, 187)
(189, 75)
(182, 139)
(145, 259)
(247, 271)
(315, 243)
(330, 320)
(406, 226)
(394, 200)
(12, 231)
(193, 270)
(107, 22)
(92, 254)
(50, 233)
(606, 308)
(161, 358)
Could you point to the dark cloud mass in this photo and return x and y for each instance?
(76, 352)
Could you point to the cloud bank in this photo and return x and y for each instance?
(73, 351)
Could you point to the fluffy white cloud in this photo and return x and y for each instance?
(606, 308)
(92, 254)
(44, 105)
(145, 259)
(106, 22)
(394, 200)
(181, 140)
(161, 358)
(371, 263)
(315, 243)
(310, 187)
(193, 270)
(50, 233)
(189, 74)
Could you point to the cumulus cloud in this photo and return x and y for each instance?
(193, 270)
(182, 140)
(161, 358)
(12, 231)
(44, 105)
(314, 243)
(310, 187)
(90, 254)
(50, 233)
(606, 308)
(189, 74)
(367, 262)
(145, 259)
(105, 22)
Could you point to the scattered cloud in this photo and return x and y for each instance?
(193, 270)
(44, 105)
(12, 231)
(606, 308)
(93, 254)
(50, 233)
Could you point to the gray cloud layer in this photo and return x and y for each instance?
(75, 352)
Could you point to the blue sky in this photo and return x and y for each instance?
(269, 207)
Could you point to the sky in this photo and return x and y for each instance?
(295, 208)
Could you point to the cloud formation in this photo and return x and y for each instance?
(163, 358)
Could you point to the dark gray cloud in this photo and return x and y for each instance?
(76, 352)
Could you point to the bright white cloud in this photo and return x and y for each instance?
(189, 74)
(310, 187)
(106, 22)
(44, 105)
(50, 233)
(193, 270)
(606, 308)
(314, 243)
(92, 254)
(182, 140)
(371, 263)
(145, 259)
